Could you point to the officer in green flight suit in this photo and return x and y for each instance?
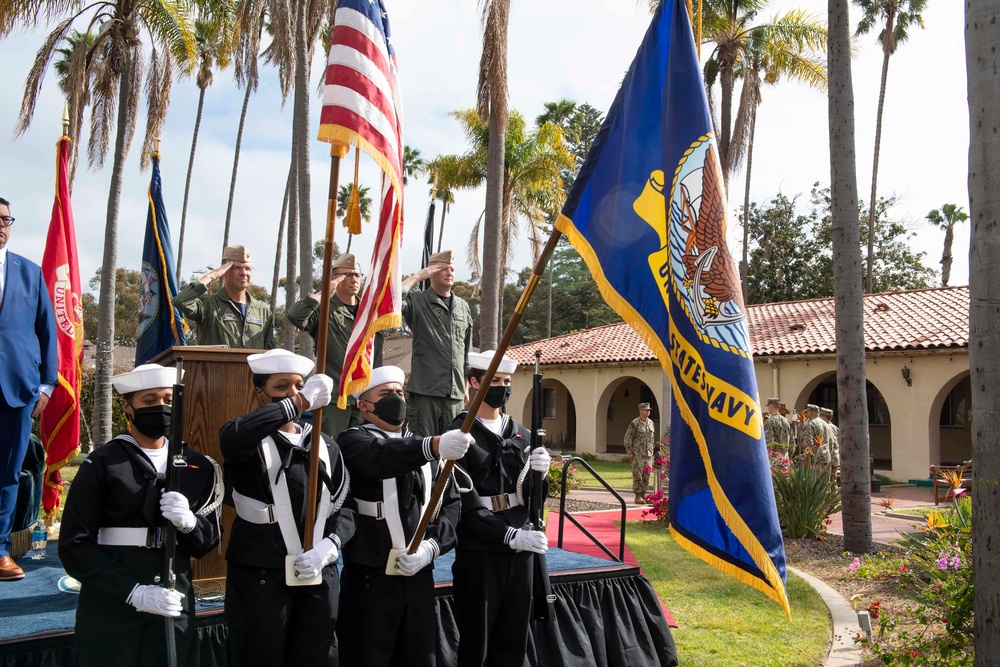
(229, 316)
(442, 339)
(345, 284)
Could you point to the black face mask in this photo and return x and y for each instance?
(496, 397)
(391, 409)
(153, 421)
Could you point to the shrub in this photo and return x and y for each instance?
(659, 502)
(555, 478)
(589, 457)
(805, 495)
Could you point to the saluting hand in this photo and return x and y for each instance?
(215, 274)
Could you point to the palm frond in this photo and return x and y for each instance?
(33, 83)
(491, 94)
(104, 109)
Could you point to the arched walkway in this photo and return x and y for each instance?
(617, 407)
(949, 427)
(558, 415)
(823, 392)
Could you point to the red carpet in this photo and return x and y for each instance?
(602, 526)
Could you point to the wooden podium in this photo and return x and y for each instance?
(218, 388)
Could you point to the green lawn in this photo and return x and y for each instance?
(723, 622)
(618, 475)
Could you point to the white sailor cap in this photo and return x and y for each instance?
(147, 376)
(280, 360)
(382, 375)
(481, 361)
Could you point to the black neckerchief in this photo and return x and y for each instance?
(289, 452)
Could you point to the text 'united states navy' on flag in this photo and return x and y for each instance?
(361, 106)
(648, 214)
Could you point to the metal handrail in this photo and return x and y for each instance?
(564, 515)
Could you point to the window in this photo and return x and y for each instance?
(548, 403)
(955, 411)
(878, 411)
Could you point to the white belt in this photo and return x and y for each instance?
(149, 538)
(374, 509)
(254, 511)
(500, 503)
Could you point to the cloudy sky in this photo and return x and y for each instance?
(577, 49)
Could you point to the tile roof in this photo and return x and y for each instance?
(932, 318)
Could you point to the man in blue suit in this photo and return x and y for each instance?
(28, 372)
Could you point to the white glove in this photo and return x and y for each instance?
(534, 541)
(308, 564)
(175, 508)
(318, 390)
(409, 564)
(156, 600)
(540, 460)
(454, 444)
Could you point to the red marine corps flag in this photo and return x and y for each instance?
(60, 422)
(361, 106)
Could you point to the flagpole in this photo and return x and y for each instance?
(487, 379)
(336, 152)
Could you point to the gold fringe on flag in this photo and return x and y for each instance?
(352, 219)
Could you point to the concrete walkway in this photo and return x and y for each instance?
(885, 529)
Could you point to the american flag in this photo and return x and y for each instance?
(361, 106)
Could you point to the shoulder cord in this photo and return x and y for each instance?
(520, 482)
(215, 500)
(345, 485)
(458, 487)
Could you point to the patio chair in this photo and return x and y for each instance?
(944, 478)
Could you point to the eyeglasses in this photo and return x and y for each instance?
(351, 275)
(6, 221)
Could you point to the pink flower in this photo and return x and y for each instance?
(647, 470)
(902, 568)
(855, 564)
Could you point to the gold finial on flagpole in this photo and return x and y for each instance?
(65, 118)
(156, 149)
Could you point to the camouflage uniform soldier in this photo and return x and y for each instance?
(639, 439)
(229, 316)
(815, 440)
(833, 431)
(442, 339)
(345, 283)
(777, 430)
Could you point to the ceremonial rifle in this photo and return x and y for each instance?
(175, 461)
(542, 596)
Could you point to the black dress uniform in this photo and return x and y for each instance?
(493, 583)
(270, 623)
(390, 620)
(117, 487)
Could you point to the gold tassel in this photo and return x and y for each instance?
(352, 219)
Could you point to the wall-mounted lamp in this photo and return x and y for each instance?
(905, 370)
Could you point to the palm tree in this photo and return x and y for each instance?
(855, 490)
(491, 105)
(413, 164)
(794, 38)
(447, 198)
(115, 103)
(212, 50)
(364, 201)
(982, 34)
(74, 56)
(946, 218)
(532, 185)
(763, 63)
(438, 170)
(895, 17)
(251, 26)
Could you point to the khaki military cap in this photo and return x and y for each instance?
(346, 261)
(826, 411)
(812, 407)
(644, 406)
(235, 253)
(444, 257)
(774, 401)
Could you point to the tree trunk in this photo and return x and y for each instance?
(281, 239)
(106, 304)
(187, 183)
(291, 264)
(492, 231)
(301, 139)
(982, 34)
(350, 237)
(946, 257)
(745, 265)
(728, 85)
(869, 277)
(444, 209)
(236, 166)
(848, 310)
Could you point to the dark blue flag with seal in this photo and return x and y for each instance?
(160, 324)
(672, 278)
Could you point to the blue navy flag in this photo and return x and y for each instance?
(160, 324)
(655, 154)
